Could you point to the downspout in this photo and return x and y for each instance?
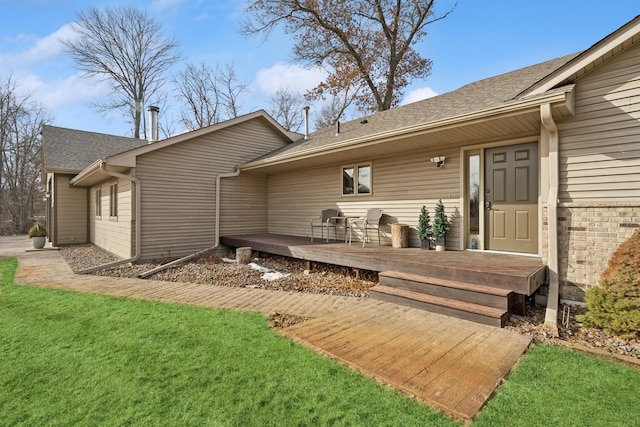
(216, 241)
(136, 182)
(551, 314)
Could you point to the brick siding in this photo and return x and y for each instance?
(588, 234)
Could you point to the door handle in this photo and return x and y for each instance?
(487, 206)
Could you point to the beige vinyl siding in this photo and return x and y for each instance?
(178, 189)
(401, 185)
(70, 212)
(600, 146)
(244, 205)
(112, 233)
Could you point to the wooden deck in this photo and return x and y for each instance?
(521, 274)
(450, 364)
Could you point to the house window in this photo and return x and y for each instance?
(99, 202)
(356, 180)
(113, 200)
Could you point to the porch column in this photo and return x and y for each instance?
(549, 132)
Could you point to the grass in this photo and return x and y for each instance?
(77, 359)
(554, 386)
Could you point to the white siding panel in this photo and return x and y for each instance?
(599, 146)
(401, 185)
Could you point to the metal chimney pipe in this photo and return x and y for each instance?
(306, 121)
(153, 123)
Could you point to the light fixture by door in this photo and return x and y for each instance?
(438, 160)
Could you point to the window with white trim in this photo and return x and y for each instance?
(113, 200)
(356, 180)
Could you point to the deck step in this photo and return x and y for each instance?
(465, 292)
(446, 306)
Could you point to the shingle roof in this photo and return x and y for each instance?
(474, 97)
(74, 150)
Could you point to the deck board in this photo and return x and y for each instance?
(521, 274)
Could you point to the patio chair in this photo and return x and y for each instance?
(370, 222)
(326, 220)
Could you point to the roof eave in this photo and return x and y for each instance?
(128, 158)
(562, 102)
(87, 173)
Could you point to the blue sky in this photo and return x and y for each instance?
(480, 39)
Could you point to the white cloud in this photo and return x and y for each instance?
(418, 95)
(292, 77)
(43, 49)
(62, 92)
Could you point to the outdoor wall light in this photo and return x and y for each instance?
(438, 160)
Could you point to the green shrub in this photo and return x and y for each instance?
(441, 222)
(425, 230)
(37, 230)
(614, 306)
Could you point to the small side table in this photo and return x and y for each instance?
(399, 236)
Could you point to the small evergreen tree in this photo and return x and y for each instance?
(440, 222)
(614, 305)
(425, 230)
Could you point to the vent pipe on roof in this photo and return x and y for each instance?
(306, 121)
(338, 128)
(153, 123)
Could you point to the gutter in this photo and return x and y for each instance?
(103, 167)
(551, 314)
(216, 241)
(89, 170)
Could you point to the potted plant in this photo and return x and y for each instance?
(37, 234)
(440, 226)
(425, 230)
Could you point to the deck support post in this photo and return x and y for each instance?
(243, 255)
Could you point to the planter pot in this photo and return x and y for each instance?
(440, 241)
(425, 244)
(38, 242)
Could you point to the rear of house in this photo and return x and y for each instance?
(541, 162)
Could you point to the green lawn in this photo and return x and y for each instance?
(74, 359)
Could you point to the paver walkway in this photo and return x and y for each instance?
(450, 364)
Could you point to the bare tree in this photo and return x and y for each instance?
(232, 88)
(208, 95)
(286, 107)
(368, 41)
(340, 99)
(198, 92)
(20, 124)
(125, 47)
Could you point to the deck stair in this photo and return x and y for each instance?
(475, 302)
